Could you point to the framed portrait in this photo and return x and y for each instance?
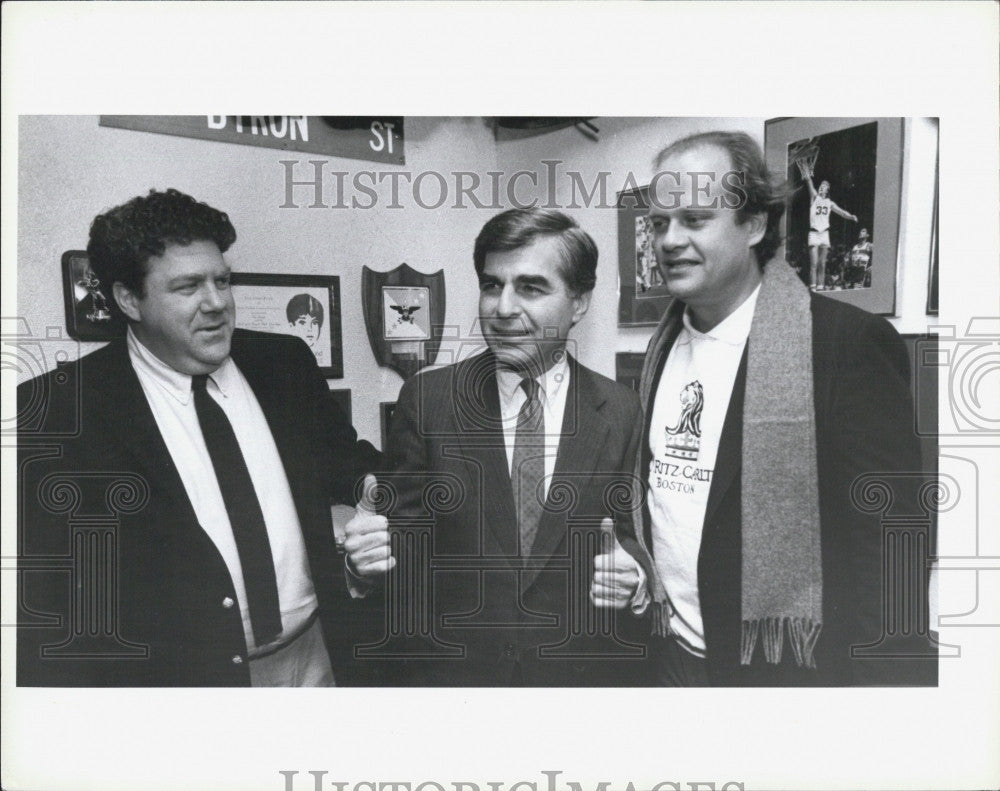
(343, 398)
(304, 305)
(86, 300)
(841, 236)
(642, 296)
(628, 368)
(385, 410)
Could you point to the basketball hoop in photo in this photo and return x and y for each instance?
(804, 154)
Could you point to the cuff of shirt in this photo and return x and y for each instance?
(640, 599)
(357, 586)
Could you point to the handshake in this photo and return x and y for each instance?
(369, 554)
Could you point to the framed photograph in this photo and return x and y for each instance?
(404, 313)
(303, 305)
(87, 302)
(932, 275)
(628, 368)
(385, 410)
(343, 399)
(841, 235)
(642, 297)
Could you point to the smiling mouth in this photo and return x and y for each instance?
(509, 334)
(679, 264)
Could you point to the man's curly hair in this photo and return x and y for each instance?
(123, 239)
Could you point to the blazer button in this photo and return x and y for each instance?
(508, 649)
(237, 660)
(228, 603)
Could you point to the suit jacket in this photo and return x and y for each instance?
(864, 425)
(119, 585)
(492, 617)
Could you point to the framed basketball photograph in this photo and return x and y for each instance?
(841, 226)
(87, 302)
(642, 295)
(304, 305)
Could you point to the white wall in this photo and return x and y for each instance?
(70, 169)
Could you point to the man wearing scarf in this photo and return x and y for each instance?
(763, 405)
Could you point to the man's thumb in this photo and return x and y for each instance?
(607, 535)
(367, 503)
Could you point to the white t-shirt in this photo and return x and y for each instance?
(689, 408)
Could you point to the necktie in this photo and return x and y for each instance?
(528, 467)
(245, 515)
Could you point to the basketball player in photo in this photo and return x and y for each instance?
(819, 228)
(859, 273)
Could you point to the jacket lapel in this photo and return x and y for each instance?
(130, 425)
(584, 434)
(729, 458)
(480, 435)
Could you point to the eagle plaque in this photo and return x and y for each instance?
(404, 313)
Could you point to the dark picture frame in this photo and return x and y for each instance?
(342, 397)
(265, 302)
(864, 163)
(642, 296)
(628, 368)
(932, 274)
(385, 410)
(87, 303)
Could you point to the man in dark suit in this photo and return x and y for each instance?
(176, 484)
(505, 469)
(765, 408)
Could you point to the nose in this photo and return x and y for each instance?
(508, 303)
(213, 299)
(672, 238)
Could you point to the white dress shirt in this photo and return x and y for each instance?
(169, 395)
(553, 385)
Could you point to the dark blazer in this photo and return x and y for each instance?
(162, 619)
(864, 425)
(497, 618)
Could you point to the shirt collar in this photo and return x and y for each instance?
(172, 381)
(549, 383)
(734, 329)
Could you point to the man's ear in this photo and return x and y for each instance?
(581, 304)
(758, 227)
(127, 300)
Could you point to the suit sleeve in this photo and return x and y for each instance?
(348, 458)
(406, 455)
(871, 431)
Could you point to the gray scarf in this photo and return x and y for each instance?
(782, 568)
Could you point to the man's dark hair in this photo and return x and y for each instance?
(123, 239)
(764, 194)
(516, 228)
(304, 305)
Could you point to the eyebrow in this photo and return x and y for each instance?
(532, 280)
(520, 280)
